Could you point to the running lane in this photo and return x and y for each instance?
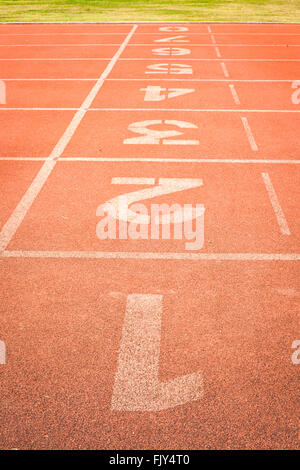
(137, 338)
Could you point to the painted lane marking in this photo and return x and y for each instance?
(193, 110)
(41, 79)
(204, 110)
(50, 79)
(151, 34)
(249, 134)
(146, 44)
(153, 255)
(282, 222)
(16, 218)
(55, 58)
(234, 94)
(224, 69)
(289, 80)
(60, 45)
(218, 52)
(144, 58)
(154, 159)
(136, 386)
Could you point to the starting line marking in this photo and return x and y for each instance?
(154, 255)
(14, 221)
(282, 222)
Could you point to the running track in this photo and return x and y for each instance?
(136, 344)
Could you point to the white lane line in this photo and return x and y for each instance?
(149, 59)
(153, 159)
(41, 79)
(51, 79)
(151, 34)
(224, 68)
(218, 52)
(184, 160)
(154, 255)
(25, 159)
(234, 94)
(142, 79)
(209, 29)
(249, 134)
(55, 58)
(167, 23)
(16, 218)
(147, 44)
(282, 222)
(168, 58)
(200, 44)
(58, 45)
(137, 386)
(204, 110)
(71, 34)
(213, 39)
(221, 44)
(198, 110)
(38, 109)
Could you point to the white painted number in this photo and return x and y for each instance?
(173, 28)
(173, 39)
(164, 186)
(2, 352)
(175, 69)
(171, 51)
(155, 137)
(156, 93)
(137, 387)
(296, 94)
(296, 354)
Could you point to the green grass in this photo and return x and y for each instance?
(156, 10)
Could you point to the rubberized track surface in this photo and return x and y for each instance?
(138, 344)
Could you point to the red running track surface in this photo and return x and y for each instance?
(146, 344)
